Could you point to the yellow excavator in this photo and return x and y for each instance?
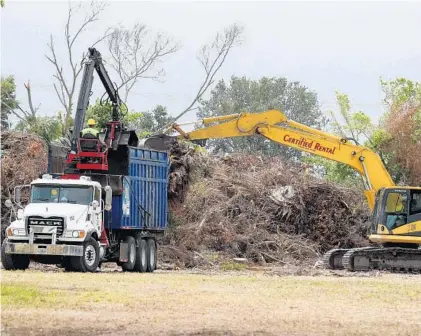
(396, 210)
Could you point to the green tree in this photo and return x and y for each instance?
(147, 123)
(246, 95)
(401, 93)
(1, 3)
(49, 128)
(8, 100)
(400, 138)
(100, 112)
(356, 126)
(144, 123)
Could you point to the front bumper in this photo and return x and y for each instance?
(44, 249)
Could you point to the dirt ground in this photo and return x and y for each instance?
(244, 302)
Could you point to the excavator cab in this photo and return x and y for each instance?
(396, 216)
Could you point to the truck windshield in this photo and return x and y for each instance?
(61, 194)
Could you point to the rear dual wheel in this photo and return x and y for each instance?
(132, 257)
(142, 255)
(151, 247)
(146, 255)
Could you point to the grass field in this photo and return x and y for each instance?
(226, 303)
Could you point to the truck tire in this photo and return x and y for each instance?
(89, 261)
(12, 262)
(142, 256)
(129, 265)
(151, 244)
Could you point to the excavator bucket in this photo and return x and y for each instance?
(161, 142)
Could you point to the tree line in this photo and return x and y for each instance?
(136, 54)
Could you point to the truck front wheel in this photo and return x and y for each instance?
(13, 261)
(89, 261)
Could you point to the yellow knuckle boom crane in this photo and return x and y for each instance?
(396, 210)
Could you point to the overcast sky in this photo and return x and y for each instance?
(326, 46)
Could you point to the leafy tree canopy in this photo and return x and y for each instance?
(246, 95)
(8, 99)
(144, 123)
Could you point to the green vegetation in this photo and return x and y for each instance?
(395, 138)
(232, 266)
(27, 296)
(145, 123)
(24, 295)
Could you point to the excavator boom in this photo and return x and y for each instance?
(275, 126)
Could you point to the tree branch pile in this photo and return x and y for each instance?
(263, 210)
(23, 158)
(186, 162)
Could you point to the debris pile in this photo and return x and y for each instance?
(263, 210)
(23, 158)
(186, 161)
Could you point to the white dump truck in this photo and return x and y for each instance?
(79, 223)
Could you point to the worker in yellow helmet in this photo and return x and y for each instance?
(90, 129)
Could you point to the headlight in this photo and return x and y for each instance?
(16, 232)
(75, 234)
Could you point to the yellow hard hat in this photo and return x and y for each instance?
(91, 122)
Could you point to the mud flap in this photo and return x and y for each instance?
(124, 252)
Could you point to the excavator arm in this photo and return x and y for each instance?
(275, 126)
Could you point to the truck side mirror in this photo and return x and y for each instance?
(108, 197)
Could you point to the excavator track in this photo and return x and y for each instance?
(394, 259)
(333, 258)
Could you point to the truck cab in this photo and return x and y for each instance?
(63, 218)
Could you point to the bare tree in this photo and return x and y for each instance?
(212, 57)
(33, 109)
(23, 115)
(136, 54)
(65, 87)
